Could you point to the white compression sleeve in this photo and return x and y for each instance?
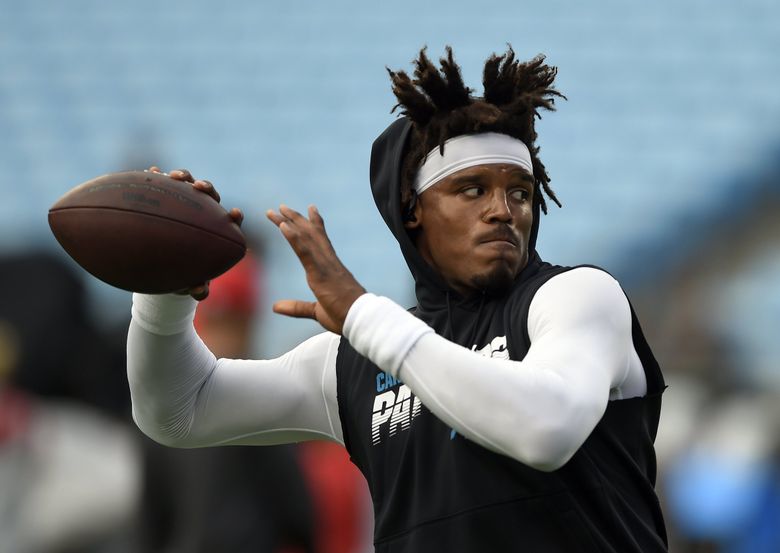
(539, 410)
(183, 396)
(382, 331)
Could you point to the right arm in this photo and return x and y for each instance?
(183, 396)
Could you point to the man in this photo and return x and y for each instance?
(514, 409)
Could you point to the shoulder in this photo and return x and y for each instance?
(582, 280)
(581, 295)
(550, 281)
(316, 351)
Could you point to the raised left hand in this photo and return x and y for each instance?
(333, 285)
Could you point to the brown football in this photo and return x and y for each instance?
(146, 232)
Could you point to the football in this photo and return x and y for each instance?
(146, 232)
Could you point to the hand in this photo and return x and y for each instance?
(333, 285)
(201, 291)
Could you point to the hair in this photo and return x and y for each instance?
(441, 107)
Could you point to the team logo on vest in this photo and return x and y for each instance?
(393, 409)
(496, 348)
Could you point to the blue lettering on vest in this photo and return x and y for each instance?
(385, 381)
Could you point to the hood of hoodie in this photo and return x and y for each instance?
(385, 173)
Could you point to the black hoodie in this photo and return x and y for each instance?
(432, 489)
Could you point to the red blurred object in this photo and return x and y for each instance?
(15, 413)
(340, 496)
(236, 291)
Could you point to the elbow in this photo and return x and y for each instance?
(162, 434)
(547, 455)
(161, 438)
(556, 438)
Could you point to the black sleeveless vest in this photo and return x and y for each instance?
(434, 490)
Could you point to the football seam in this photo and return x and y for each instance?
(152, 215)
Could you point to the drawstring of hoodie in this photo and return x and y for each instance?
(450, 328)
(450, 333)
(471, 343)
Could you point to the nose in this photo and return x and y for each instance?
(498, 208)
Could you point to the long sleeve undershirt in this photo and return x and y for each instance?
(538, 411)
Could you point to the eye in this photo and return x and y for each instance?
(520, 194)
(473, 191)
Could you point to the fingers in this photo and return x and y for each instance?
(178, 174)
(291, 214)
(274, 217)
(307, 237)
(207, 187)
(237, 216)
(200, 292)
(296, 308)
(315, 217)
(185, 176)
(295, 229)
(182, 174)
(284, 222)
(287, 214)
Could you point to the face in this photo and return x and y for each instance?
(473, 227)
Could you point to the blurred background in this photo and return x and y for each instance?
(666, 157)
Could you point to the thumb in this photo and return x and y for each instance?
(296, 308)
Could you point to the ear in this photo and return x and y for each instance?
(413, 219)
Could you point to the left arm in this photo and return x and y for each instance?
(539, 410)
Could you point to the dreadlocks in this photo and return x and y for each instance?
(441, 107)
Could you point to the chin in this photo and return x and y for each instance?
(496, 282)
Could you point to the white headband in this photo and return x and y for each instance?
(469, 150)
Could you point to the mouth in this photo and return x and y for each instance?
(499, 239)
(506, 243)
